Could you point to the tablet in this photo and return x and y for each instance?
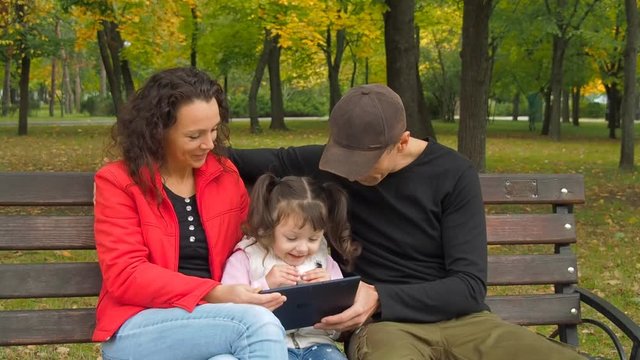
(308, 303)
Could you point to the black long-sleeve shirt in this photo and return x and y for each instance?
(422, 229)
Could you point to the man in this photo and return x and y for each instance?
(415, 207)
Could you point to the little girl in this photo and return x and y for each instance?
(285, 245)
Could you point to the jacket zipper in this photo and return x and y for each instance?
(295, 342)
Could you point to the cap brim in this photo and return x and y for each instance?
(350, 164)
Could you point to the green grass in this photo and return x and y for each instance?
(608, 231)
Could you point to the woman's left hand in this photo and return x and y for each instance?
(244, 294)
(315, 275)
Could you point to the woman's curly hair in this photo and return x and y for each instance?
(139, 132)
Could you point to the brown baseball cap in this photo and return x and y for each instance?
(363, 124)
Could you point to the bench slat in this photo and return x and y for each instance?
(46, 232)
(46, 188)
(49, 280)
(531, 229)
(532, 269)
(76, 232)
(75, 188)
(46, 326)
(83, 279)
(547, 309)
(532, 188)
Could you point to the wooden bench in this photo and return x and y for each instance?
(554, 300)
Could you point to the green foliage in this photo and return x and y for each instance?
(297, 102)
(97, 105)
(592, 110)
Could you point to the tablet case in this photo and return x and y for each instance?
(308, 303)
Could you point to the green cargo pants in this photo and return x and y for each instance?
(473, 337)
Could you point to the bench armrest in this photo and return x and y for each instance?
(617, 317)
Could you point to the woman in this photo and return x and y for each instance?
(167, 216)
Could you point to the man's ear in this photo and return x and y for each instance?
(404, 141)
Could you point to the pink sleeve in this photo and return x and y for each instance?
(236, 271)
(333, 268)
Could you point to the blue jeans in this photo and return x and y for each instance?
(317, 352)
(211, 331)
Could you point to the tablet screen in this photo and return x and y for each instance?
(308, 303)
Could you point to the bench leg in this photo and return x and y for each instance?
(568, 334)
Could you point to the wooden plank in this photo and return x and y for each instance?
(75, 188)
(532, 269)
(46, 326)
(531, 229)
(46, 232)
(49, 280)
(46, 188)
(532, 188)
(551, 309)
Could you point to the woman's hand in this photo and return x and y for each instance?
(282, 275)
(244, 294)
(316, 275)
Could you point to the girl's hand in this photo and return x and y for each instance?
(316, 275)
(244, 294)
(282, 275)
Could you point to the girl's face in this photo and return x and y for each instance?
(292, 243)
(191, 138)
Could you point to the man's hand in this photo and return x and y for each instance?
(315, 275)
(364, 306)
(244, 294)
(282, 275)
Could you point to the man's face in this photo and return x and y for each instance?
(380, 169)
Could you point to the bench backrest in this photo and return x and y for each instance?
(22, 233)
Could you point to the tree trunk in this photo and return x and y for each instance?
(559, 48)
(103, 80)
(127, 78)
(67, 96)
(52, 91)
(25, 68)
(546, 116)
(565, 106)
(67, 93)
(275, 85)
(254, 123)
(366, 70)
(575, 110)
(423, 109)
(474, 84)
(354, 70)
(612, 115)
(194, 36)
(112, 71)
(401, 55)
(516, 107)
(6, 85)
(629, 96)
(334, 64)
(78, 86)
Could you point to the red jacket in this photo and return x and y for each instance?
(138, 241)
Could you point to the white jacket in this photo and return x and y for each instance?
(262, 260)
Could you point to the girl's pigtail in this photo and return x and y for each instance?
(338, 229)
(260, 222)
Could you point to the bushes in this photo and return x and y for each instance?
(304, 102)
(592, 110)
(97, 105)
